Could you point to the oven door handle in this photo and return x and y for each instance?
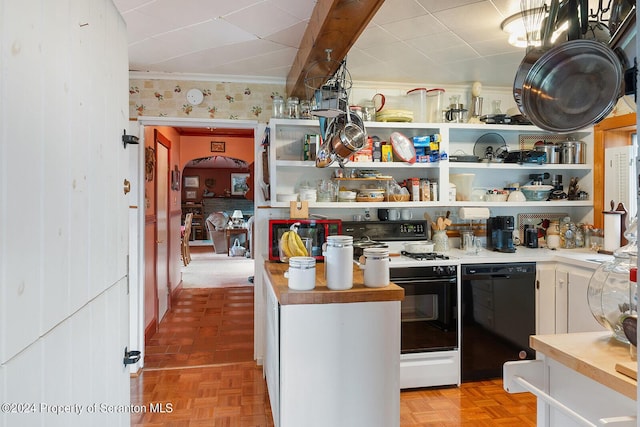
(412, 280)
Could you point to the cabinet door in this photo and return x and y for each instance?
(579, 317)
(562, 300)
(545, 298)
(272, 349)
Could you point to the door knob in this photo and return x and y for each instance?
(127, 186)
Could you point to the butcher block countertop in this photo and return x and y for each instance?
(323, 295)
(593, 354)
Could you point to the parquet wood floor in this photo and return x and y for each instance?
(235, 394)
(204, 327)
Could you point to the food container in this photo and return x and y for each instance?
(338, 262)
(392, 108)
(434, 105)
(375, 263)
(370, 195)
(496, 197)
(347, 196)
(301, 273)
(419, 247)
(464, 185)
(418, 99)
(536, 193)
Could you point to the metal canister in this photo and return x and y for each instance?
(568, 152)
(551, 150)
(580, 154)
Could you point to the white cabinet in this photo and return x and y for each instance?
(545, 297)
(288, 170)
(335, 364)
(572, 283)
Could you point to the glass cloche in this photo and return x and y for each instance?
(610, 295)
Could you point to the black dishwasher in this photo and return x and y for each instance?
(498, 316)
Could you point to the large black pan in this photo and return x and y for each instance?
(568, 86)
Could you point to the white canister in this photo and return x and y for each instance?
(338, 262)
(375, 263)
(301, 273)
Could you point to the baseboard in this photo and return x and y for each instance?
(175, 291)
(150, 330)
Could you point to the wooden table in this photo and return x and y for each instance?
(233, 232)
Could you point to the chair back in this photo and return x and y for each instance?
(187, 226)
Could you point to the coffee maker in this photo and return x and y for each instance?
(500, 233)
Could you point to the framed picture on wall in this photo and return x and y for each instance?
(192, 181)
(217, 146)
(239, 184)
(190, 194)
(175, 179)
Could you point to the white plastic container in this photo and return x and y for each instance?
(375, 263)
(434, 105)
(301, 273)
(338, 262)
(464, 185)
(418, 102)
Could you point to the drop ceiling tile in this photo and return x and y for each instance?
(484, 15)
(494, 46)
(438, 5)
(398, 10)
(454, 54)
(301, 9)
(140, 26)
(414, 27)
(436, 42)
(291, 36)
(374, 36)
(255, 19)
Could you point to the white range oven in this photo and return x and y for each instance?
(430, 320)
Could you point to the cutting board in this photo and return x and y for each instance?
(629, 369)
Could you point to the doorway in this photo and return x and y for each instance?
(175, 127)
(163, 291)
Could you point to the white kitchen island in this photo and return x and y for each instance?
(332, 358)
(576, 381)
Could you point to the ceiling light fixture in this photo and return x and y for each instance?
(518, 24)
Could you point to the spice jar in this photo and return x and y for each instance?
(278, 107)
(293, 107)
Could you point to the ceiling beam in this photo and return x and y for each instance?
(335, 25)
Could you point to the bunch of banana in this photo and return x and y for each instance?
(292, 245)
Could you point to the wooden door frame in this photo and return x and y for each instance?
(159, 138)
(611, 132)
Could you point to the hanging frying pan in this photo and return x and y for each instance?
(568, 86)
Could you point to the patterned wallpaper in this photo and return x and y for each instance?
(222, 100)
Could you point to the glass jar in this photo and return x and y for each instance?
(610, 290)
(293, 107)
(305, 109)
(278, 107)
(440, 241)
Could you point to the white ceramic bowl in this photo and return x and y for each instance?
(516, 196)
(287, 197)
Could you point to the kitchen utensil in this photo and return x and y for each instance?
(536, 192)
(568, 87)
(551, 150)
(489, 146)
(419, 247)
(403, 147)
(516, 196)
